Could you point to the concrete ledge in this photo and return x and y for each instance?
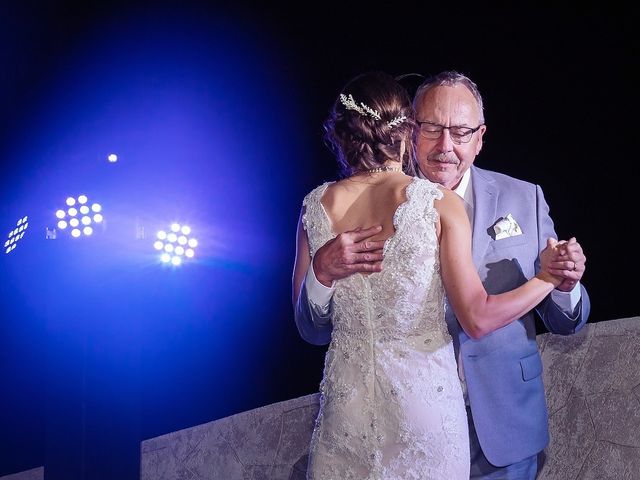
(593, 392)
(33, 474)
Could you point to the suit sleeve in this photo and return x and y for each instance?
(313, 324)
(552, 316)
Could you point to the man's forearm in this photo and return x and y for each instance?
(313, 310)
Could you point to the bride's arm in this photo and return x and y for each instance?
(478, 312)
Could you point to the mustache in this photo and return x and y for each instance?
(443, 158)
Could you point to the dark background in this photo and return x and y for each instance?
(217, 110)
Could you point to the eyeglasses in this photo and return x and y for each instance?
(459, 135)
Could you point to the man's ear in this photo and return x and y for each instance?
(483, 128)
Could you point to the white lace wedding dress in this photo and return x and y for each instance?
(391, 402)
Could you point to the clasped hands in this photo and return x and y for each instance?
(354, 251)
(565, 261)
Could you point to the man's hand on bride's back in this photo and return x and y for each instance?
(348, 253)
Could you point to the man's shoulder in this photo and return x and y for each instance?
(502, 180)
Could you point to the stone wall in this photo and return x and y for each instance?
(592, 380)
(33, 474)
(593, 392)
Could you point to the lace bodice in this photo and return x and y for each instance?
(390, 382)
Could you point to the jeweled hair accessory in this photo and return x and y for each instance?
(363, 109)
(397, 121)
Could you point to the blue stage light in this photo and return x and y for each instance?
(78, 216)
(16, 234)
(175, 245)
(112, 157)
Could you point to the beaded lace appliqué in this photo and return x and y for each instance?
(391, 403)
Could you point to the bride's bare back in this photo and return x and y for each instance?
(364, 201)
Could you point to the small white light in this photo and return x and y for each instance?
(193, 243)
(71, 201)
(86, 220)
(165, 257)
(96, 207)
(186, 229)
(97, 218)
(112, 157)
(172, 237)
(189, 253)
(182, 240)
(62, 224)
(168, 248)
(84, 209)
(74, 222)
(87, 230)
(72, 212)
(175, 227)
(26, 225)
(82, 199)
(176, 261)
(60, 214)
(179, 250)
(162, 235)
(75, 233)
(158, 245)
(6, 244)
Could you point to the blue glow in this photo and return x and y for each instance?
(184, 103)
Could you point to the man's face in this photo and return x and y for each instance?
(442, 160)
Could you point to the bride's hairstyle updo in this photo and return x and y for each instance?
(371, 122)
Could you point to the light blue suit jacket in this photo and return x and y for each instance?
(503, 370)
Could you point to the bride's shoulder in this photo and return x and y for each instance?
(427, 188)
(316, 193)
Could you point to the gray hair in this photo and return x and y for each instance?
(449, 78)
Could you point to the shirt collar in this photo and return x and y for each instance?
(465, 188)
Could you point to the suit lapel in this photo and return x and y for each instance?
(485, 202)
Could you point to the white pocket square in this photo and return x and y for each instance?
(506, 227)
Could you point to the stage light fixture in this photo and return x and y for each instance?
(173, 243)
(79, 216)
(112, 157)
(16, 234)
